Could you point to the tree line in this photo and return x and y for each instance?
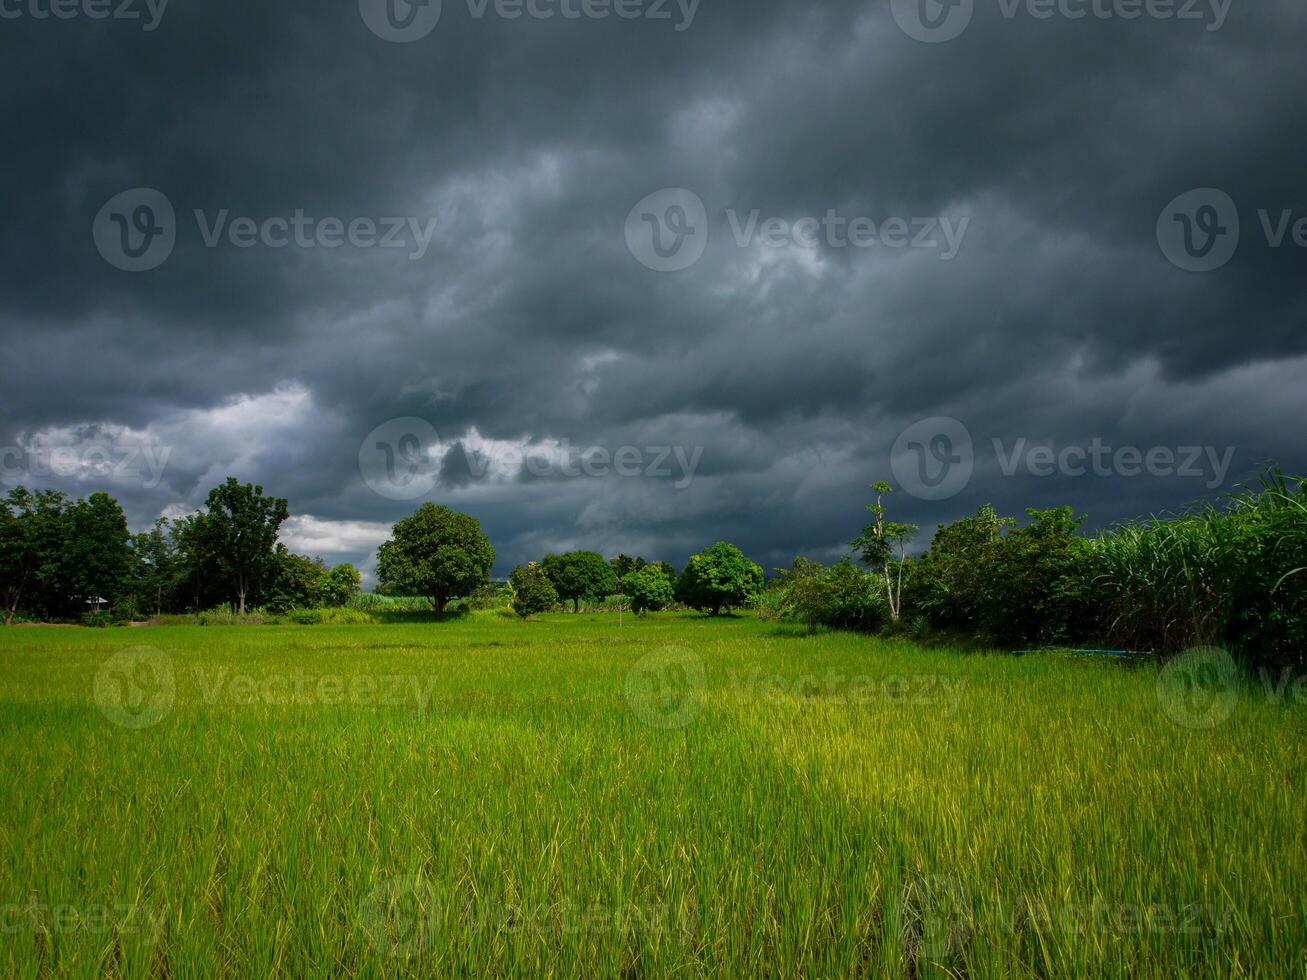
(444, 555)
(62, 558)
(1232, 573)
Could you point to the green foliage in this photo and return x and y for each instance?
(340, 585)
(375, 602)
(295, 582)
(649, 589)
(580, 576)
(533, 592)
(719, 578)
(841, 597)
(1006, 583)
(1230, 575)
(240, 534)
(624, 565)
(155, 568)
(437, 553)
(882, 546)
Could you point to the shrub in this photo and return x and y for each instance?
(841, 597)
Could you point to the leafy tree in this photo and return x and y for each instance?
(341, 585)
(199, 577)
(719, 577)
(240, 529)
(649, 588)
(97, 557)
(580, 576)
(532, 591)
(950, 581)
(155, 566)
(437, 553)
(624, 565)
(668, 571)
(841, 597)
(296, 581)
(877, 544)
(34, 532)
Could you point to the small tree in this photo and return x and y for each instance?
(649, 589)
(718, 578)
(437, 553)
(341, 585)
(877, 544)
(532, 590)
(580, 576)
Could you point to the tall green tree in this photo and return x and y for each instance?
(877, 545)
(580, 576)
(296, 581)
(240, 529)
(34, 532)
(97, 556)
(437, 553)
(155, 568)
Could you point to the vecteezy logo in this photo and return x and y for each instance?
(1200, 688)
(136, 230)
(665, 688)
(933, 21)
(936, 917)
(668, 230)
(135, 688)
(396, 459)
(399, 915)
(400, 21)
(933, 459)
(1199, 230)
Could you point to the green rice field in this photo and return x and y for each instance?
(673, 796)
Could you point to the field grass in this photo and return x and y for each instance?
(671, 797)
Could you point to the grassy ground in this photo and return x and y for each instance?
(674, 797)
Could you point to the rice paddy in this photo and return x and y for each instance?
(671, 796)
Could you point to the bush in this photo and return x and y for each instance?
(841, 597)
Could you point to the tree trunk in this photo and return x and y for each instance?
(576, 606)
(242, 605)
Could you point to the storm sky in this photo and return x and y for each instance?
(972, 224)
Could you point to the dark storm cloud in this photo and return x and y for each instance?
(524, 322)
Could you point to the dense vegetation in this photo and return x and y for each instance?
(683, 796)
(1233, 573)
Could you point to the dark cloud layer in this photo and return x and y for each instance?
(527, 326)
